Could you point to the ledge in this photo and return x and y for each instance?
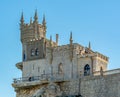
(19, 65)
(28, 84)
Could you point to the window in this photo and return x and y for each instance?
(32, 52)
(86, 70)
(60, 68)
(24, 58)
(37, 52)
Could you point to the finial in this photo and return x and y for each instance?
(50, 40)
(44, 21)
(31, 20)
(71, 35)
(71, 40)
(36, 16)
(22, 19)
(89, 45)
(57, 38)
(44, 25)
(71, 47)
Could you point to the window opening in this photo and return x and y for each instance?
(86, 70)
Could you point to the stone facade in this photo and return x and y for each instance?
(50, 70)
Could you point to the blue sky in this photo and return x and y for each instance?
(97, 21)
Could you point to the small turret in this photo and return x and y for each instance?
(36, 17)
(22, 19)
(44, 21)
(44, 25)
(89, 45)
(57, 38)
(50, 41)
(71, 40)
(71, 47)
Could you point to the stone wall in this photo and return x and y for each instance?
(90, 86)
(96, 86)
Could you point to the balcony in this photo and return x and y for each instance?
(46, 78)
(37, 80)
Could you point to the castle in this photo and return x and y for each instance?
(71, 70)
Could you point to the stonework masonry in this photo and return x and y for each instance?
(71, 70)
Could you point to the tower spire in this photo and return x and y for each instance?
(31, 20)
(89, 45)
(57, 38)
(71, 47)
(44, 21)
(36, 17)
(44, 25)
(22, 19)
(71, 40)
(51, 41)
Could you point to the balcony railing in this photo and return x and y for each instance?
(60, 77)
(43, 77)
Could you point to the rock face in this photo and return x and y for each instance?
(50, 70)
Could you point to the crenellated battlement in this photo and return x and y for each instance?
(101, 56)
(32, 30)
(67, 47)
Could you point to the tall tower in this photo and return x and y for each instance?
(33, 38)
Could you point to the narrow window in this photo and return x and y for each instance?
(32, 52)
(60, 68)
(37, 52)
(86, 70)
(24, 57)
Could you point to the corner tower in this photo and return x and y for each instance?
(33, 38)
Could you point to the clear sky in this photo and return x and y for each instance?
(97, 21)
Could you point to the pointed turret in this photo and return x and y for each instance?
(89, 45)
(36, 17)
(57, 38)
(71, 40)
(44, 21)
(44, 25)
(22, 19)
(71, 47)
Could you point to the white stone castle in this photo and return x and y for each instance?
(51, 70)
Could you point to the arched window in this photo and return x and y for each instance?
(37, 52)
(60, 68)
(86, 70)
